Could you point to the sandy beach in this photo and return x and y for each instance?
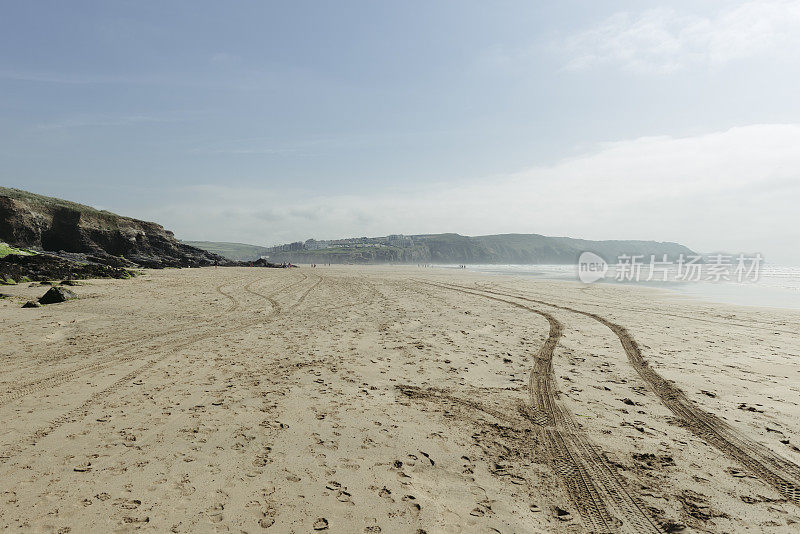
(394, 399)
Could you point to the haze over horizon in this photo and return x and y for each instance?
(270, 123)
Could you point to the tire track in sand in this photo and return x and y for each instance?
(764, 463)
(277, 308)
(234, 302)
(111, 359)
(593, 485)
(76, 412)
(275, 304)
(755, 325)
(116, 346)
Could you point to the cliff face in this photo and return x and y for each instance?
(51, 224)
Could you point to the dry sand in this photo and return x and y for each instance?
(376, 399)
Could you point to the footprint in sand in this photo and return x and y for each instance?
(215, 512)
(133, 520)
(344, 497)
(561, 514)
(428, 457)
(83, 468)
(265, 513)
(128, 504)
(415, 507)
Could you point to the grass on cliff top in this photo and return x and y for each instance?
(5, 250)
(52, 202)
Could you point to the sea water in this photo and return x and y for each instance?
(776, 286)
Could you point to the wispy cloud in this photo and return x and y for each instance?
(105, 121)
(78, 79)
(255, 151)
(315, 145)
(69, 79)
(665, 40)
(718, 185)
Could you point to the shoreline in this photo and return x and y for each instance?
(755, 294)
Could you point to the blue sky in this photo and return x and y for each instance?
(267, 122)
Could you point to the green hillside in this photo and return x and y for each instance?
(459, 249)
(232, 251)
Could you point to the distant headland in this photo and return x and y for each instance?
(442, 248)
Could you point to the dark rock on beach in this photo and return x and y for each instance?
(57, 294)
(31, 304)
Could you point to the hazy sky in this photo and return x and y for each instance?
(268, 122)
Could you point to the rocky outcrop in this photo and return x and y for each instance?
(51, 224)
(48, 267)
(57, 294)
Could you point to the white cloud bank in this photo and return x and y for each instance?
(736, 190)
(664, 40)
